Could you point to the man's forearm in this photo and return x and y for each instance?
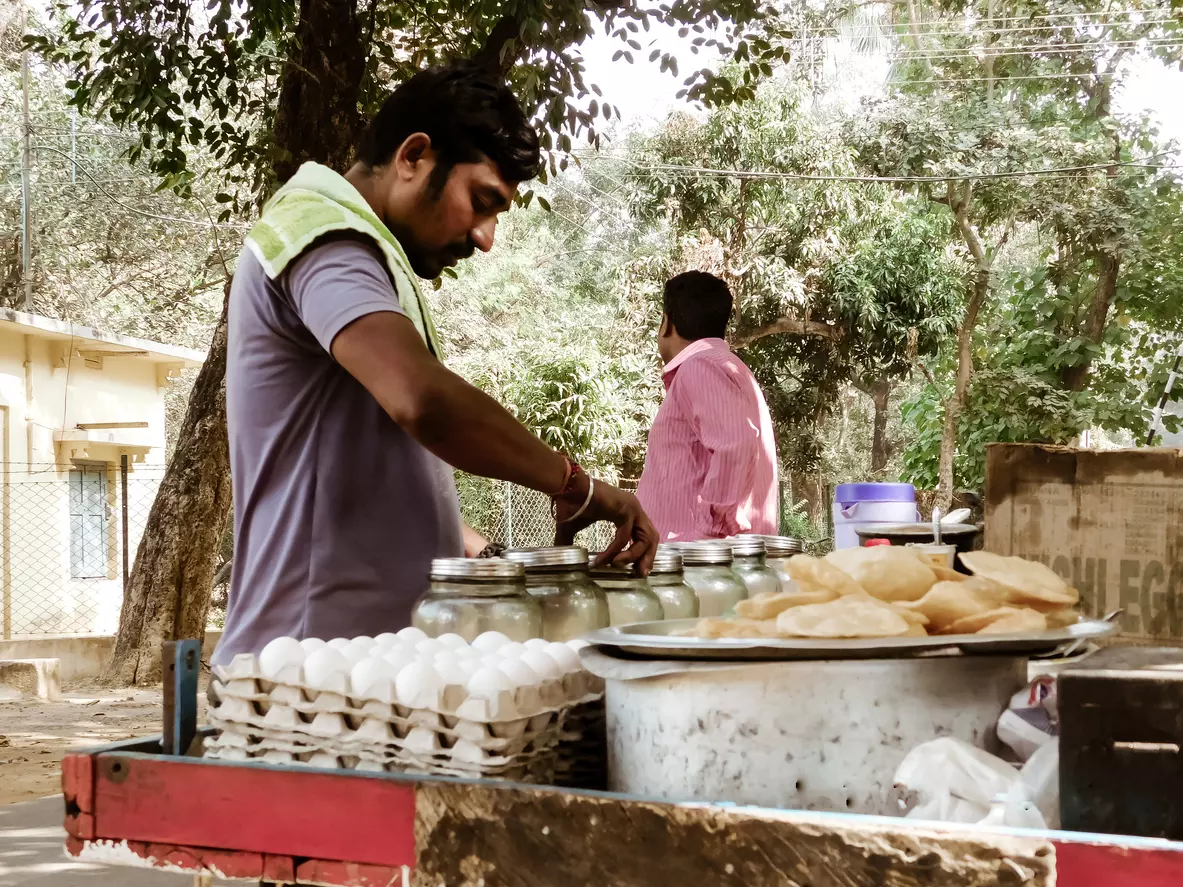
(471, 431)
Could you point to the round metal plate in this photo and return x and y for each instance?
(655, 640)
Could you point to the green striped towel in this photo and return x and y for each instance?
(318, 201)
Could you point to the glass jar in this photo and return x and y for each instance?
(779, 550)
(678, 600)
(749, 565)
(470, 596)
(707, 568)
(572, 605)
(630, 599)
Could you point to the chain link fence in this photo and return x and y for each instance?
(520, 518)
(67, 535)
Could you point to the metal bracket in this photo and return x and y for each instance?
(182, 665)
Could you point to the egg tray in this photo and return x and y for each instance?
(539, 769)
(244, 679)
(234, 713)
(418, 740)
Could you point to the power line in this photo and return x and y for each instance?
(1003, 49)
(889, 30)
(1121, 13)
(809, 177)
(140, 212)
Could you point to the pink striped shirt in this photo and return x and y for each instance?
(710, 471)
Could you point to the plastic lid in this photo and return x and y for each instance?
(875, 543)
(848, 494)
(542, 558)
(476, 568)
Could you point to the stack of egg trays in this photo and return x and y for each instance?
(582, 751)
(511, 737)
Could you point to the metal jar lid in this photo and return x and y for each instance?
(535, 559)
(707, 554)
(782, 546)
(747, 546)
(667, 561)
(476, 569)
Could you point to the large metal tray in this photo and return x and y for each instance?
(654, 640)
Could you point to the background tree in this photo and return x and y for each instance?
(266, 85)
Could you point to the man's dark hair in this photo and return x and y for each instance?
(467, 111)
(698, 305)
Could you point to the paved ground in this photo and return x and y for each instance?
(32, 854)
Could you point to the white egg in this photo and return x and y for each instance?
(490, 641)
(280, 654)
(513, 650)
(411, 634)
(446, 656)
(520, 673)
(310, 644)
(354, 655)
(339, 643)
(469, 667)
(567, 658)
(367, 673)
(578, 644)
(386, 639)
(536, 644)
(399, 658)
(418, 685)
(452, 640)
(543, 663)
(322, 666)
(429, 646)
(363, 642)
(488, 683)
(451, 673)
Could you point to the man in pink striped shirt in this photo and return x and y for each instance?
(710, 471)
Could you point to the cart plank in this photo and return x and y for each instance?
(517, 836)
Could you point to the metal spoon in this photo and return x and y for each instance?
(1077, 644)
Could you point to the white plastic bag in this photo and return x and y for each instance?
(952, 781)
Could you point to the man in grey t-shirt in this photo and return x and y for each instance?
(344, 427)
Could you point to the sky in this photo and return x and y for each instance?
(644, 95)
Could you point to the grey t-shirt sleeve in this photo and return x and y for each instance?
(334, 284)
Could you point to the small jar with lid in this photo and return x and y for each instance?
(572, 605)
(779, 550)
(470, 596)
(630, 599)
(707, 568)
(749, 565)
(678, 600)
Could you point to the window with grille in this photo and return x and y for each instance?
(88, 522)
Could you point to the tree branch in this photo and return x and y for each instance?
(490, 54)
(791, 326)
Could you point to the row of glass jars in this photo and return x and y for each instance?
(550, 592)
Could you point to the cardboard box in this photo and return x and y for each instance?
(1108, 521)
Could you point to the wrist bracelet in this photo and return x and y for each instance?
(591, 488)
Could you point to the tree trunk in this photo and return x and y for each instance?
(1108, 268)
(880, 450)
(169, 588)
(170, 585)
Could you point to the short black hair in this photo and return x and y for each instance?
(467, 111)
(698, 305)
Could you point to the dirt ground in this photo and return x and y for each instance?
(34, 734)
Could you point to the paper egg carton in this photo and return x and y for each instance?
(243, 679)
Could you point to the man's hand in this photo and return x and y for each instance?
(474, 542)
(636, 537)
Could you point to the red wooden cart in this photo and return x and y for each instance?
(142, 803)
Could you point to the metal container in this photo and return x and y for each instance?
(707, 568)
(678, 600)
(808, 735)
(630, 599)
(749, 553)
(572, 605)
(470, 596)
(778, 551)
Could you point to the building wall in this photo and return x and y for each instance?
(40, 595)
